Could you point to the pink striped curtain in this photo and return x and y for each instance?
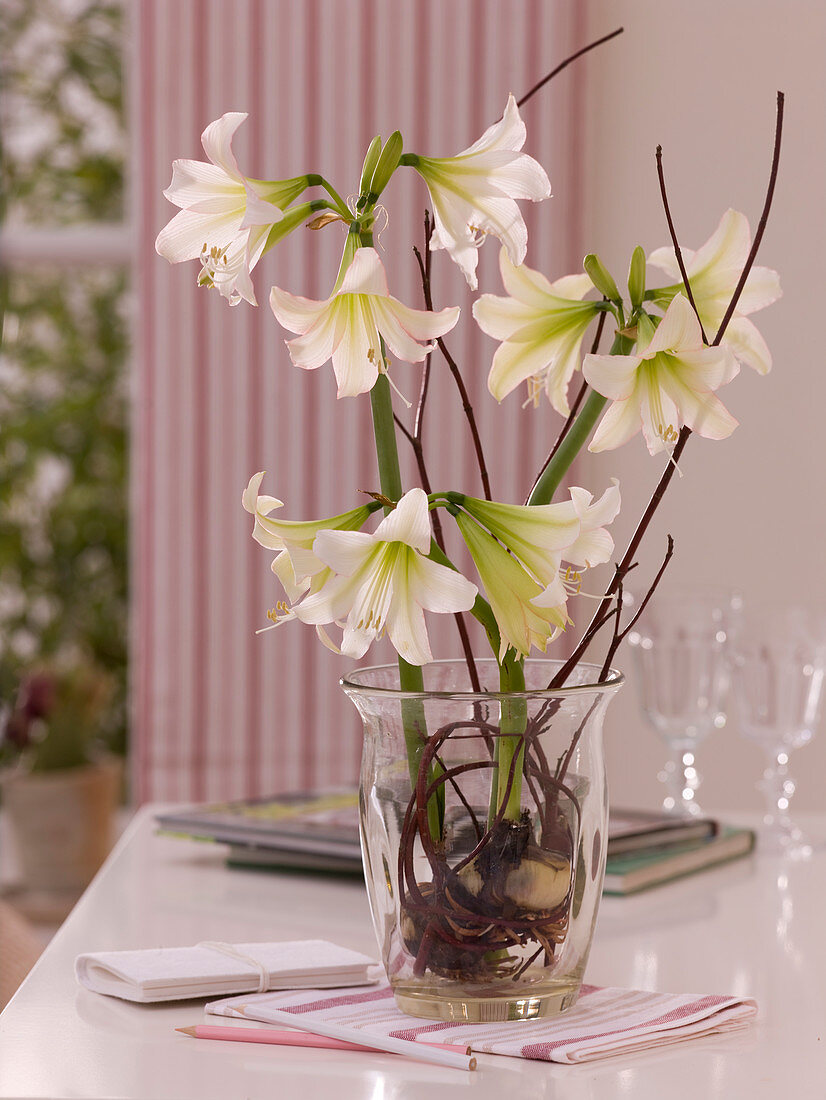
(218, 710)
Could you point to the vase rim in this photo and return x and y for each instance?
(352, 686)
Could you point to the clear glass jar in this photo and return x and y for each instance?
(483, 824)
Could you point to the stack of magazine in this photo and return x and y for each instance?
(319, 832)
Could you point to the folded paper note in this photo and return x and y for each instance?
(211, 968)
(604, 1022)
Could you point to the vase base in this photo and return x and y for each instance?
(438, 1003)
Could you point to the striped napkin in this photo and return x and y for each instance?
(603, 1023)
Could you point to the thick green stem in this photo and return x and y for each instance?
(510, 747)
(410, 676)
(577, 437)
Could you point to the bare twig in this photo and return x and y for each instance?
(677, 250)
(621, 634)
(564, 65)
(761, 225)
(457, 377)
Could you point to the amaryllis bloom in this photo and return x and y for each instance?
(475, 192)
(296, 565)
(667, 383)
(384, 582)
(541, 326)
(594, 545)
(225, 218)
(348, 326)
(537, 534)
(714, 272)
(513, 593)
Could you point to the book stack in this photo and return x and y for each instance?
(649, 849)
(319, 832)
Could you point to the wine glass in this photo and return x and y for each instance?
(681, 646)
(778, 671)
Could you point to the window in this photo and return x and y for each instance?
(64, 293)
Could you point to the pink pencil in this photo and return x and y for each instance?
(291, 1038)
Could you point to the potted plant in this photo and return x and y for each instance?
(59, 786)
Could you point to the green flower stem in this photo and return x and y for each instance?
(315, 180)
(411, 679)
(514, 711)
(513, 722)
(577, 437)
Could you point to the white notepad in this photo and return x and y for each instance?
(210, 969)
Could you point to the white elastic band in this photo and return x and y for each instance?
(264, 976)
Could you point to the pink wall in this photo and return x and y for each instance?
(219, 711)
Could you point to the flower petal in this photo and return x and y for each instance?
(365, 275)
(217, 140)
(357, 347)
(184, 237)
(345, 552)
(508, 133)
(502, 317)
(614, 376)
(702, 411)
(620, 423)
(407, 630)
(747, 344)
(678, 330)
(195, 181)
(438, 588)
(514, 363)
(409, 522)
(761, 289)
(317, 345)
(295, 313)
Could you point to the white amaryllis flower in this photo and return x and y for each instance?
(348, 326)
(513, 594)
(541, 326)
(667, 383)
(713, 272)
(536, 534)
(384, 582)
(225, 218)
(474, 193)
(296, 566)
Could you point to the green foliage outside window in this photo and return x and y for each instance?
(63, 385)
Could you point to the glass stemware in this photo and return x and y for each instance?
(681, 646)
(778, 674)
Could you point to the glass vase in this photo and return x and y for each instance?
(483, 823)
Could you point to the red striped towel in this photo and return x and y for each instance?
(603, 1023)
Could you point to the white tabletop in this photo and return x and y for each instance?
(751, 928)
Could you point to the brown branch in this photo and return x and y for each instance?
(620, 635)
(457, 377)
(566, 63)
(761, 225)
(677, 250)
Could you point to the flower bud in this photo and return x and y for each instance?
(636, 277)
(387, 164)
(601, 277)
(371, 159)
